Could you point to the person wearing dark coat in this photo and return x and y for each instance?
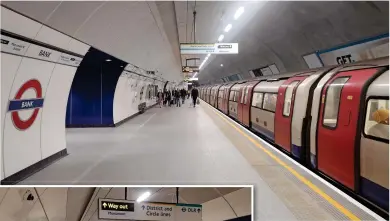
(183, 94)
(177, 98)
(168, 97)
(194, 95)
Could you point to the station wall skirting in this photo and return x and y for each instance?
(30, 170)
(243, 218)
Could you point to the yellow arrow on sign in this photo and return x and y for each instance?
(104, 205)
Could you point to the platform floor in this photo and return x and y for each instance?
(192, 146)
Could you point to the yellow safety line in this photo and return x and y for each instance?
(337, 205)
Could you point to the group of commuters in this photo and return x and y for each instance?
(169, 98)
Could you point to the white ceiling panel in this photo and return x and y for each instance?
(80, 11)
(36, 10)
(54, 201)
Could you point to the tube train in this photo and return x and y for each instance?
(334, 120)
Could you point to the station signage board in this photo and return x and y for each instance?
(23, 48)
(190, 69)
(367, 49)
(116, 209)
(217, 48)
(156, 211)
(131, 210)
(188, 212)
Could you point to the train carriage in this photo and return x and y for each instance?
(245, 102)
(263, 107)
(220, 97)
(341, 149)
(233, 100)
(301, 113)
(201, 92)
(374, 143)
(288, 109)
(214, 95)
(225, 99)
(208, 93)
(333, 120)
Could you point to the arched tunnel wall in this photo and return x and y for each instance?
(282, 32)
(132, 90)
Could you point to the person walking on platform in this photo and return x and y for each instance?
(183, 94)
(194, 95)
(160, 98)
(168, 98)
(165, 98)
(177, 98)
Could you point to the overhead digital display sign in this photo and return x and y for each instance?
(217, 48)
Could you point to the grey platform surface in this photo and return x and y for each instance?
(191, 146)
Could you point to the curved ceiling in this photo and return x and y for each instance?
(147, 34)
(281, 32)
(141, 33)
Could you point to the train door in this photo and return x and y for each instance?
(227, 95)
(220, 98)
(211, 96)
(208, 94)
(216, 99)
(338, 123)
(240, 103)
(247, 103)
(284, 111)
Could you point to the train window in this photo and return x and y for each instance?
(231, 96)
(257, 100)
(332, 102)
(270, 102)
(220, 93)
(141, 93)
(377, 119)
(242, 95)
(288, 98)
(246, 95)
(235, 96)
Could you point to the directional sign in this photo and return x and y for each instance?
(116, 209)
(190, 69)
(131, 210)
(188, 212)
(156, 211)
(217, 48)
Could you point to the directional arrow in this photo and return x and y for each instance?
(183, 209)
(143, 207)
(199, 210)
(104, 205)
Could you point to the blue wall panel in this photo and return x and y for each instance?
(90, 102)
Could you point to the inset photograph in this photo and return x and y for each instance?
(126, 203)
